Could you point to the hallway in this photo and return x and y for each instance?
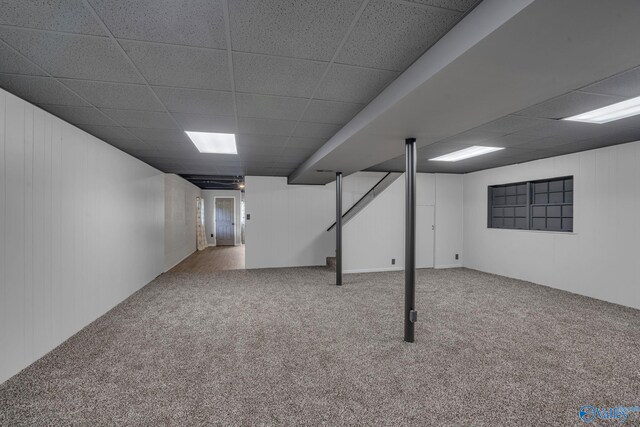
(213, 258)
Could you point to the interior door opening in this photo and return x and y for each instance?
(225, 221)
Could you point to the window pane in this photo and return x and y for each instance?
(538, 223)
(553, 223)
(568, 197)
(541, 199)
(555, 197)
(567, 211)
(568, 184)
(539, 212)
(521, 211)
(511, 200)
(556, 185)
(553, 211)
(541, 187)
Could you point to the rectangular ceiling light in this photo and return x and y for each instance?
(208, 142)
(617, 111)
(466, 153)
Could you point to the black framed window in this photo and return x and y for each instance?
(533, 205)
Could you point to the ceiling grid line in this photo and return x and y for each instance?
(352, 25)
(227, 25)
(56, 79)
(135, 68)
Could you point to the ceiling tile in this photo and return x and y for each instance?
(513, 140)
(438, 149)
(291, 28)
(171, 136)
(39, 90)
(270, 107)
(273, 75)
(179, 66)
(305, 144)
(353, 84)
(568, 105)
(134, 147)
(13, 62)
(196, 101)
(316, 130)
(255, 126)
(183, 22)
(473, 137)
(392, 35)
(79, 115)
(206, 123)
(142, 119)
(459, 5)
(109, 133)
(68, 16)
(321, 111)
(625, 85)
(122, 96)
(510, 124)
(260, 141)
(73, 56)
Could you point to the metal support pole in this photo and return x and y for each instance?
(410, 313)
(339, 228)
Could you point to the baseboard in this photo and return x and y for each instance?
(167, 269)
(442, 266)
(373, 270)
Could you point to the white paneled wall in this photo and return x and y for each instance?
(449, 219)
(81, 229)
(288, 222)
(600, 259)
(376, 235)
(179, 219)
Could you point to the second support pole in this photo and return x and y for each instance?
(339, 228)
(410, 314)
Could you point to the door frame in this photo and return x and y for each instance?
(215, 224)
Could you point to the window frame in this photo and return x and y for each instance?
(564, 215)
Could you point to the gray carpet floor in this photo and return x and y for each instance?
(286, 347)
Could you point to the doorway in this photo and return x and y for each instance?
(425, 220)
(225, 222)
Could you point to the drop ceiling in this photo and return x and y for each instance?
(285, 76)
(505, 76)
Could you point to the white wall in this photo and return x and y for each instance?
(179, 219)
(449, 204)
(81, 229)
(376, 235)
(600, 259)
(288, 222)
(209, 208)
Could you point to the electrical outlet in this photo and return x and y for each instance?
(393, 261)
(457, 256)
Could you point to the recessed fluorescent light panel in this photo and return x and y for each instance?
(617, 111)
(466, 153)
(208, 142)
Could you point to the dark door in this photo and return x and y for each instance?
(225, 222)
